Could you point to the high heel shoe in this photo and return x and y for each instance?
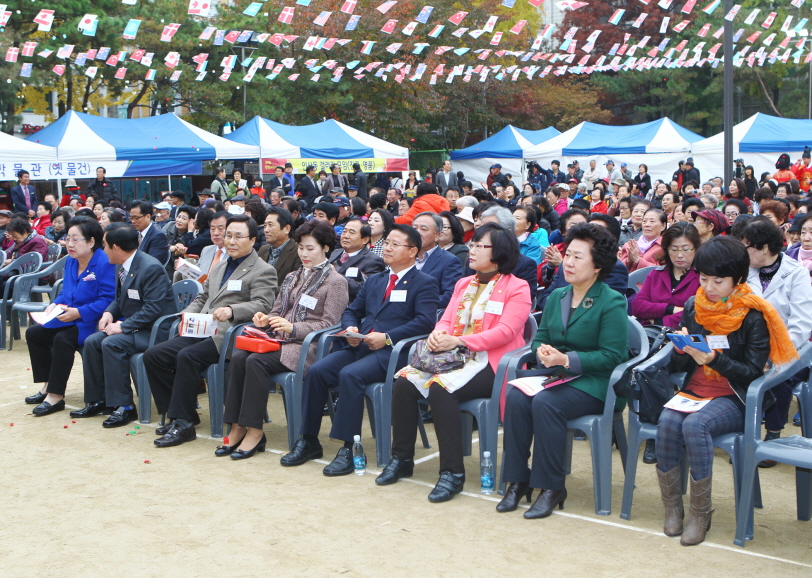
(226, 450)
(513, 496)
(243, 455)
(546, 503)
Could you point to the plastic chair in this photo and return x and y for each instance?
(486, 410)
(185, 292)
(636, 279)
(803, 392)
(23, 265)
(47, 271)
(32, 303)
(600, 427)
(54, 251)
(217, 377)
(794, 450)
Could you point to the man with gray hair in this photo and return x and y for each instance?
(432, 259)
(467, 201)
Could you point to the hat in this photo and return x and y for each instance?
(466, 214)
(496, 166)
(71, 183)
(178, 194)
(682, 162)
(164, 206)
(620, 182)
(570, 166)
(337, 190)
(783, 162)
(341, 201)
(580, 203)
(714, 217)
(555, 162)
(288, 165)
(238, 198)
(622, 164)
(609, 162)
(6, 213)
(235, 210)
(562, 186)
(206, 192)
(806, 154)
(210, 202)
(352, 188)
(76, 198)
(572, 180)
(797, 223)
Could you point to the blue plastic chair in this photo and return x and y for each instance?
(23, 265)
(185, 292)
(486, 410)
(600, 427)
(794, 450)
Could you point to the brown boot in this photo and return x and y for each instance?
(671, 490)
(699, 521)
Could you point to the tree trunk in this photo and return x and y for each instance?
(767, 94)
(137, 99)
(69, 97)
(88, 92)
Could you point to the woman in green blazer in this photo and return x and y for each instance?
(583, 335)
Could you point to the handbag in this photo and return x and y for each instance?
(652, 388)
(438, 362)
(256, 345)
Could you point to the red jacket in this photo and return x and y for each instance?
(41, 223)
(426, 203)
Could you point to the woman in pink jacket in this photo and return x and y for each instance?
(486, 316)
(647, 251)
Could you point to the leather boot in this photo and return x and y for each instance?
(671, 491)
(699, 521)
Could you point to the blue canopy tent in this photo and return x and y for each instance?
(507, 147)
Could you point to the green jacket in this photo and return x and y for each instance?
(598, 331)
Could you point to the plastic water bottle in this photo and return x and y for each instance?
(487, 473)
(359, 458)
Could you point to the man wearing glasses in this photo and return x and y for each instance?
(151, 239)
(396, 304)
(235, 290)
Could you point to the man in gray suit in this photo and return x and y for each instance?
(446, 178)
(354, 260)
(236, 289)
(281, 252)
(143, 294)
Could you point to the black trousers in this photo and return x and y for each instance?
(52, 352)
(173, 369)
(777, 415)
(445, 411)
(248, 386)
(543, 417)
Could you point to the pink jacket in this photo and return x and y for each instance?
(500, 333)
(651, 258)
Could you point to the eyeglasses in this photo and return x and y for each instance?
(677, 250)
(732, 213)
(479, 246)
(230, 236)
(395, 245)
(137, 216)
(74, 239)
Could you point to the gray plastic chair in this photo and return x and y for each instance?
(636, 278)
(54, 251)
(794, 450)
(34, 304)
(486, 410)
(24, 265)
(600, 427)
(49, 269)
(185, 292)
(217, 378)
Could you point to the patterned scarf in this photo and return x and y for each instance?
(309, 286)
(766, 274)
(727, 315)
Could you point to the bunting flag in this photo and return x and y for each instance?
(709, 9)
(198, 8)
(490, 24)
(518, 27)
(352, 23)
(752, 18)
(457, 18)
(286, 16)
(169, 31)
(349, 6)
(252, 9)
(769, 21)
(45, 20)
(436, 31)
(386, 6)
(423, 17)
(689, 6)
(640, 19)
(28, 48)
(389, 27)
(322, 18)
(618, 14)
(732, 14)
(131, 30)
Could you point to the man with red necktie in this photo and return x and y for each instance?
(24, 195)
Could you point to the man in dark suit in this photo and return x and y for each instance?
(101, 188)
(393, 305)
(143, 294)
(23, 196)
(151, 239)
(354, 259)
(310, 187)
(281, 252)
(359, 179)
(446, 177)
(279, 181)
(434, 260)
(236, 289)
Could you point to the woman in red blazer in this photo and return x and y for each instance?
(487, 315)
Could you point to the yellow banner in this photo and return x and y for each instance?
(367, 165)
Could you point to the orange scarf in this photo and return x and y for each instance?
(726, 316)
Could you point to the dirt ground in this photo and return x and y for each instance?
(79, 500)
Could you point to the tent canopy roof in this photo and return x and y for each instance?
(509, 143)
(15, 149)
(762, 133)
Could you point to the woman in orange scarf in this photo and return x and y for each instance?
(748, 332)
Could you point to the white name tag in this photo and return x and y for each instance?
(351, 272)
(398, 296)
(494, 307)
(133, 294)
(308, 301)
(235, 285)
(717, 341)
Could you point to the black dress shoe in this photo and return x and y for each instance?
(650, 454)
(36, 399)
(546, 503)
(162, 430)
(513, 496)
(341, 465)
(244, 455)
(177, 435)
(303, 451)
(226, 450)
(394, 470)
(447, 487)
(120, 417)
(45, 408)
(90, 409)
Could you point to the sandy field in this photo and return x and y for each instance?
(79, 500)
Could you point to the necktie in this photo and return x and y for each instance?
(393, 279)
(140, 238)
(344, 257)
(121, 274)
(216, 259)
(27, 197)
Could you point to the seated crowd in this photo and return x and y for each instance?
(463, 266)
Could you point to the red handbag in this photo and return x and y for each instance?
(256, 345)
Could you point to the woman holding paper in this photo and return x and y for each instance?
(89, 287)
(582, 337)
(487, 314)
(310, 299)
(743, 332)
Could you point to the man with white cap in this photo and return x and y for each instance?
(612, 172)
(162, 211)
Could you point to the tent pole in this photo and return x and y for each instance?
(727, 98)
(169, 179)
(59, 188)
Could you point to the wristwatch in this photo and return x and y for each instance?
(388, 340)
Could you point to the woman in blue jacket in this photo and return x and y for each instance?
(89, 287)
